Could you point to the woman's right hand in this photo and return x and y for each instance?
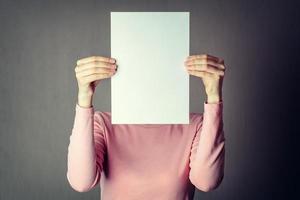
(91, 70)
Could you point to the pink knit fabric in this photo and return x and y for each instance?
(148, 161)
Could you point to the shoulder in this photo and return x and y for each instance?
(103, 116)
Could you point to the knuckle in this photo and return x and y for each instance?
(106, 70)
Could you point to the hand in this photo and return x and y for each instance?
(211, 70)
(91, 70)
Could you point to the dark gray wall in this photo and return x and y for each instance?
(40, 42)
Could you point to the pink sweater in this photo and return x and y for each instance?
(146, 161)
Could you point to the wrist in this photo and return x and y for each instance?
(85, 94)
(85, 91)
(85, 100)
(214, 98)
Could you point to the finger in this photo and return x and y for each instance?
(94, 71)
(95, 58)
(95, 77)
(206, 57)
(202, 61)
(94, 64)
(200, 73)
(206, 67)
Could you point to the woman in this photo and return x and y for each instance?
(140, 162)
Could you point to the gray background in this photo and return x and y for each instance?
(40, 42)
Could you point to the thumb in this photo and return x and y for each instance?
(96, 83)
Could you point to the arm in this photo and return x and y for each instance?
(86, 150)
(208, 149)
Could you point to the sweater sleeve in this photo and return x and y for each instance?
(86, 150)
(207, 156)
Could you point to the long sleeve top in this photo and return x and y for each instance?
(146, 161)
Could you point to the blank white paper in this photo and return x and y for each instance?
(151, 85)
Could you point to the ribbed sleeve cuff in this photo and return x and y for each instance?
(213, 108)
(82, 111)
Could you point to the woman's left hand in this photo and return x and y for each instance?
(211, 70)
